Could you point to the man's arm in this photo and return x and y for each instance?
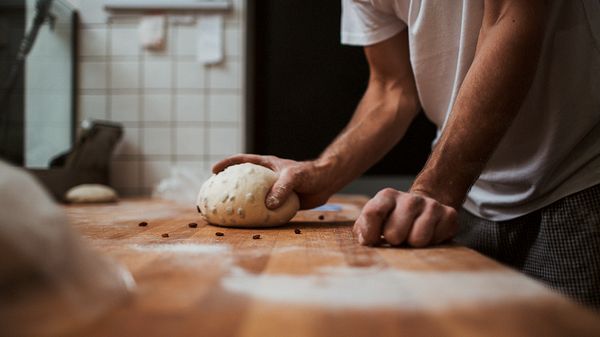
(387, 108)
(384, 113)
(488, 101)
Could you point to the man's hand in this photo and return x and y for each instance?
(304, 178)
(399, 217)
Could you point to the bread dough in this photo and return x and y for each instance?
(236, 197)
(91, 193)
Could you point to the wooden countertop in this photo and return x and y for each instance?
(316, 283)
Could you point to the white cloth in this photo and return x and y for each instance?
(552, 149)
(152, 31)
(209, 30)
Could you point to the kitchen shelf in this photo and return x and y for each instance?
(128, 5)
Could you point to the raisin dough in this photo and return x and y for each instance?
(236, 197)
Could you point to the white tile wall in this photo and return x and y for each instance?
(124, 40)
(157, 107)
(124, 75)
(154, 172)
(190, 75)
(224, 140)
(175, 111)
(92, 106)
(93, 75)
(225, 107)
(124, 108)
(190, 107)
(190, 140)
(157, 140)
(93, 42)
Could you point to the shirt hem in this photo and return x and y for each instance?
(366, 39)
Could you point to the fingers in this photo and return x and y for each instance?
(369, 224)
(447, 227)
(281, 190)
(425, 225)
(398, 226)
(243, 158)
(405, 218)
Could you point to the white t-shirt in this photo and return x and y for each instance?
(552, 149)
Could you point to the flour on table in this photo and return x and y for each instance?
(183, 248)
(360, 288)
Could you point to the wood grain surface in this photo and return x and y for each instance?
(318, 282)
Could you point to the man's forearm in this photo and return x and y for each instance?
(487, 103)
(380, 121)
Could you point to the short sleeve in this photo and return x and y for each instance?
(363, 25)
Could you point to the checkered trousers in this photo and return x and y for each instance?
(558, 244)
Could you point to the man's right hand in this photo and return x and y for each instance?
(304, 178)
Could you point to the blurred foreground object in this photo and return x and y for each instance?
(50, 282)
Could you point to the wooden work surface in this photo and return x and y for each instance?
(316, 283)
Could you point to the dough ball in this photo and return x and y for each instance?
(236, 197)
(91, 193)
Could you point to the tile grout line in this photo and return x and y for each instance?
(174, 30)
(142, 130)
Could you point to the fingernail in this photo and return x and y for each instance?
(272, 202)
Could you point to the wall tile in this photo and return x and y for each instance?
(233, 41)
(124, 108)
(157, 74)
(124, 75)
(190, 108)
(155, 171)
(198, 168)
(157, 108)
(190, 140)
(157, 140)
(224, 140)
(93, 75)
(185, 44)
(124, 40)
(190, 75)
(226, 75)
(92, 106)
(174, 109)
(224, 107)
(93, 41)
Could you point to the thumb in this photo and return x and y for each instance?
(281, 190)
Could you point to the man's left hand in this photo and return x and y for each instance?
(397, 217)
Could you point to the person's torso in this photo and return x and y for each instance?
(553, 147)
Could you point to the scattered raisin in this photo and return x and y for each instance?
(219, 234)
(165, 235)
(192, 225)
(198, 208)
(256, 236)
(143, 224)
(297, 231)
(321, 217)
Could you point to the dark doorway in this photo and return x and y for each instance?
(304, 85)
(12, 29)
